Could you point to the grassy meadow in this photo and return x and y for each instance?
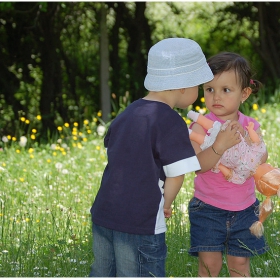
(47, 190)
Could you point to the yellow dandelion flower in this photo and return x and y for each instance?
(59, 128)
(27, 121)
(86, 122)
(21, 179)
(27, 219)
(97, 148)
(33, 137)
(54, 153)
(61, 149)
(197, 108)
(74, 132)
(95, 119)
(85, 139)
(37, 221)
(31, 156)
(66, 125)
(99, 114)
(34, 130)
(202, 99)
(80, 133)
(4, 164)
(31, 150)
(48, 160)
(75, 124)
(18, 151)
(263, 110)
(255, 106)
(89, 131)
(75, 138)
(22, 119)
(24, 170)
(64, 153)
(188, 121)
(14, 138)
(39, 117)
(74, 145)
(9, 137)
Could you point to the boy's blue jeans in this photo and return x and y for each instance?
(127, 255)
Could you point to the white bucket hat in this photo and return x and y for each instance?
(176, 63)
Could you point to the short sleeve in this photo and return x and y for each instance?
(176, 152)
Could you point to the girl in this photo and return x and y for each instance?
(221, 212)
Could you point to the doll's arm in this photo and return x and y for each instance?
(200, 119)
(252, 133)
(196, 137)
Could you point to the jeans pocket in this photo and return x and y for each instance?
(152, 260)
(195, 204)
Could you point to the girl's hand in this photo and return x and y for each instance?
(228, 138)
(239, 127)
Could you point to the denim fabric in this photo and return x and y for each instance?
(119, 254)
(217, 230)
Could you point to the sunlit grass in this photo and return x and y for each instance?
(47, 190)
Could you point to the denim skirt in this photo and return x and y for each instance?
(216, 230)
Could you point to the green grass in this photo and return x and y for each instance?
(46, 193)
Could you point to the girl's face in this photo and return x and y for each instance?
(223, 95)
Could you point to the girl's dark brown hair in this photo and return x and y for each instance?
(226, 61)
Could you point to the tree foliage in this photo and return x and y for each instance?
(50, 58)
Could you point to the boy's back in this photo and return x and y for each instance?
(143, 139)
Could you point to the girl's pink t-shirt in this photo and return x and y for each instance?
(212, 188)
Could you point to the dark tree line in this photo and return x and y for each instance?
(61, 41)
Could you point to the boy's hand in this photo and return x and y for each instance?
(167, 212)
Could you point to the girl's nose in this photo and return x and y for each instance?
(216, 96)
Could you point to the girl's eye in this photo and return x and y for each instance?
(226, 90)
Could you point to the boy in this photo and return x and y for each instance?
(149, 152)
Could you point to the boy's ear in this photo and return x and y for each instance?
(182, 90)
(246, 93)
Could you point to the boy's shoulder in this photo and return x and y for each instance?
(158, 114)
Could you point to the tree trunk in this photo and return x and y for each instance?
(50, 66)
(104, 66)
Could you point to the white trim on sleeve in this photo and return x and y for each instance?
(181, 167)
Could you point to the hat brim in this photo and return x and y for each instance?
(184, 80)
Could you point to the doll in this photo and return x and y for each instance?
(267, 178)
(241, 160)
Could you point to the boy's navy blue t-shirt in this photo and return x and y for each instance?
(146, 143)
